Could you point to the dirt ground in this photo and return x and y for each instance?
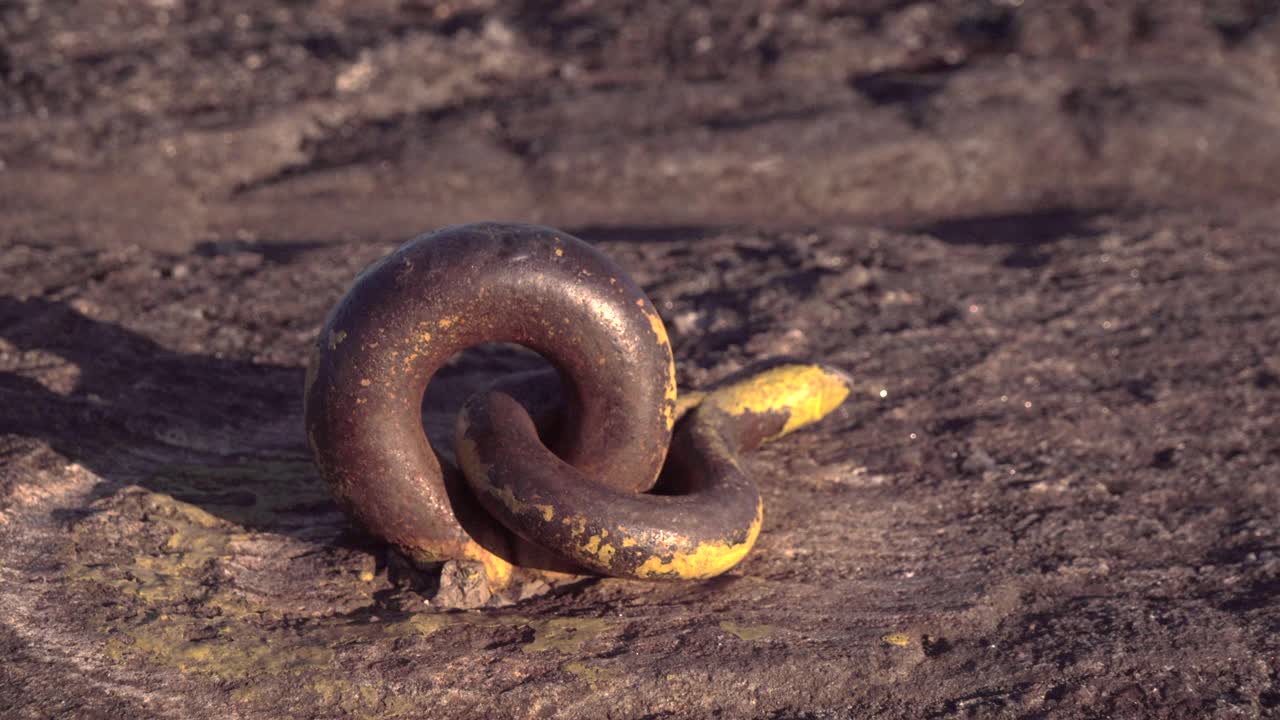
(1043, 237)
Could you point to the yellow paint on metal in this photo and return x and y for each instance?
(671, 400)
(655, 323)
(577, 525)
(807, 393)
(705, 561)
(513, 503)
(313, 371)
(688, 400)
(497, 570)
(604, 552)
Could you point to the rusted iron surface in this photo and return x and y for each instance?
(581, 504)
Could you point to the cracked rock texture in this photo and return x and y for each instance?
(1043, 237)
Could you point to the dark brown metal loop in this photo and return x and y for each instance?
(710, 519)
(446, 291)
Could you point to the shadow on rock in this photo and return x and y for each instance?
(1025, 233)
(223, 435)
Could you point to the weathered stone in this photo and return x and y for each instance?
(1043, 238)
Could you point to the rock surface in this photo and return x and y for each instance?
(1042, 236)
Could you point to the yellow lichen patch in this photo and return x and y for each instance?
(896, 639)
(559, 252)
(352, 700)
(336, 337)
(425, 337)
(566, 635)
(185, 580)
(448, 322)
(365, 382)
(234, 655)
(592, 673)
(175, 572)
(427, 623)
(806, 393)
(706, 560)
(628, 542)
(422, 624)
(749, 633)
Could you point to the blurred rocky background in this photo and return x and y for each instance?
(1042, 235)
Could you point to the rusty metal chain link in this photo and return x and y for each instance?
(512, 503)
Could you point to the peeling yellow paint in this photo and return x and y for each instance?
(655, 323)
(687, 401)
(515, 505)
(706, 560)
(498, 571)
(577, 525)
(313, 371)
(594, 547)
(807, 393)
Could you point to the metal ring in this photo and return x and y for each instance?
(581, 505)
